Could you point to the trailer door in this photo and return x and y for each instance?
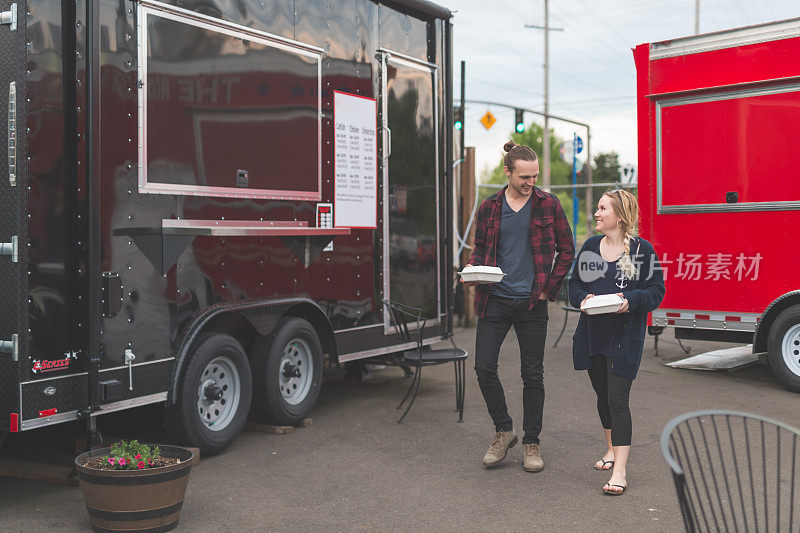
(410, 219)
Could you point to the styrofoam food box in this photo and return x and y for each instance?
(481, 274)
(602, 303)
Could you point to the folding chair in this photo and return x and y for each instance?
(420, 356)
(733, 471)
(564, 292)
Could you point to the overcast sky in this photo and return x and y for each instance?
(592, 75)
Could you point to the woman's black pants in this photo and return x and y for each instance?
(612, 400)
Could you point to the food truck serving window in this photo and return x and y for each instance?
(225, 110)
(740, 141)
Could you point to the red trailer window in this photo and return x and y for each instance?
(729, 151)
(225, 110)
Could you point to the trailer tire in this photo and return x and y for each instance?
(783, 347)
(213, 396)
(284, 391)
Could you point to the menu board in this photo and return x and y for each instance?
(355, 166)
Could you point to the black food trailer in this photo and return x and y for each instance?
(202, 202)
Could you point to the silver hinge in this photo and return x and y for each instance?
(129, 357)
(11, 248)
(10, 17)
(12, 133)
(11, 347)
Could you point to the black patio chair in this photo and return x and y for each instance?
(421, 356)
(733, 471)
(563, 294)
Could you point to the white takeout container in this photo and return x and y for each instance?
(602, 303)
(481, 274)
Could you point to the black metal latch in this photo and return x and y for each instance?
(111, 300)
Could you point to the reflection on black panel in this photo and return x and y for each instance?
(228, 112)
(412, 189)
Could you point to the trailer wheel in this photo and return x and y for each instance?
(214, 395)
(783, 347)
(287, 371)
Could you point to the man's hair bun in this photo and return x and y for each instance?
(517, 152)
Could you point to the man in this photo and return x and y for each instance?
(519, 230)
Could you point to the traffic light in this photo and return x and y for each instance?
(458, 117)
(519, 120)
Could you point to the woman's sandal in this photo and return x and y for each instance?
(603, 466)
(614, 492)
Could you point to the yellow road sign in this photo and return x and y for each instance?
(488, 120)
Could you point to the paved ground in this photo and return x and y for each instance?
(356, 469)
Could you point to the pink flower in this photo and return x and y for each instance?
(138, 457)
(121, 461)
(111, 461)
(141, 464)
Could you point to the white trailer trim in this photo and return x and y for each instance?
(719, 40)
(727, 94)
(107, 408)
(145, 8)
(720, 320)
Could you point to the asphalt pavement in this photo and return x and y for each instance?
(356, 469)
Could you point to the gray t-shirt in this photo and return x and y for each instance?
(514, 254)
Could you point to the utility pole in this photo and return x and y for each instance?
(461, 155)
(696, 17)
(546, 139)
(546, 143)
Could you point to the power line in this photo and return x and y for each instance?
(614, 49)
(626, 97)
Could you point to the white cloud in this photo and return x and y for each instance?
(592, 76)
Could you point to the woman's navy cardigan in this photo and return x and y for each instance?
(644, 295)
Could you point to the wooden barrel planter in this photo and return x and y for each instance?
(135, 500)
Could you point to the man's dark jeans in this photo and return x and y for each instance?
(531, 329)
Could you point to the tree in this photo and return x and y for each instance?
(606, 167)
(532, 136)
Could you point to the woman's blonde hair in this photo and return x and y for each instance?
(626, 207)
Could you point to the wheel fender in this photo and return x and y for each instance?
(263, 317)
(768, 317)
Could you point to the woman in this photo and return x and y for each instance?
(610, 345)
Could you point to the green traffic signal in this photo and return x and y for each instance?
(519, 118)
(458, 117)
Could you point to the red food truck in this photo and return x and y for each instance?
(718, 118)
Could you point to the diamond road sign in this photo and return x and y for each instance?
(488, 120)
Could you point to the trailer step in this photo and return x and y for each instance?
(725, 360)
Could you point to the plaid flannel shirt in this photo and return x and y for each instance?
(549, 233)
